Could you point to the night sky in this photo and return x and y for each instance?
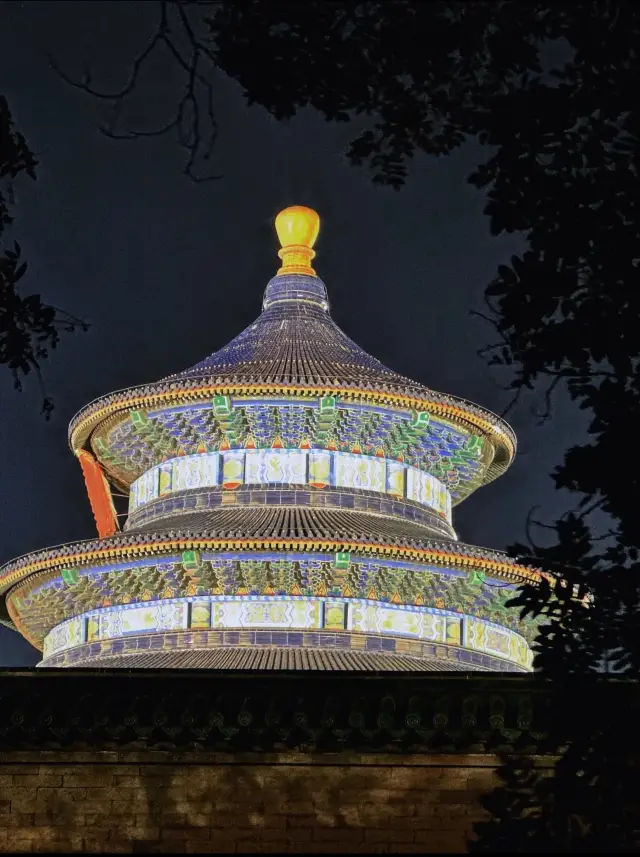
(168, 271)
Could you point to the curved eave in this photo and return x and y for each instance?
(448, 408)
(270, 660)
(137, 545)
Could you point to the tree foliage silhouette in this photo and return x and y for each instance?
(29, 328)
(562, 170)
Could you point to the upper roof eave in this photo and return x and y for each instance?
(171, 393)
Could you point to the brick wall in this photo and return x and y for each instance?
(156, 801)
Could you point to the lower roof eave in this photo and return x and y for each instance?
(135, 545)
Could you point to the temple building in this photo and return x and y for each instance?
(290, 507)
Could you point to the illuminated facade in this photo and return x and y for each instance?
(290, 506)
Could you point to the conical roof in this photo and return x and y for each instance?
(295, 341)
(293, 348)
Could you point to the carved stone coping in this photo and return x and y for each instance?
(285, 711)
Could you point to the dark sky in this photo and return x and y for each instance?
(168, 271)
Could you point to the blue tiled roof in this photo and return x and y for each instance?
(295, 340)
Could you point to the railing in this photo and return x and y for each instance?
(383, 712)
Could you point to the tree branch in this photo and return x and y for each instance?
(544, 416)
(528, 524)
(138, 62)
(514, 401)
(194, 121)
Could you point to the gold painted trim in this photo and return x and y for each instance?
(514, 573)
(83, 428)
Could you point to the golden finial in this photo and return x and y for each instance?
(297, 228)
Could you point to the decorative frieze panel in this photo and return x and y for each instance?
(359, 618)
(45, 602)
(318, 469)
(453, 456)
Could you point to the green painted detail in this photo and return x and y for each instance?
(221, 405)
(112, 457)
(476, 578)
(328, 405)
(405, 434)
(342, 559)
(327, 420)
(231, 422)
(474, 444)
(471, 451)
(152, 433)
(139, 418)
(70, 576)
(191, 559)
(419, 420)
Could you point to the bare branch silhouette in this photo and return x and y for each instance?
(194, 121)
